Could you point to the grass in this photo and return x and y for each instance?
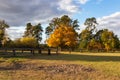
(107, 66)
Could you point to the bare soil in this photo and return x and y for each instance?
(53, 68)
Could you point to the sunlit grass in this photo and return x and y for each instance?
(107, 63)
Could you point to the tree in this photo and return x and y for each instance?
(90, 24)
(109, 40)
(6, 42)
(85, 37)
(56, 22)
(37, 32)
(3, 26)
(61, 32)
(94, 45)
(34, 31)
(63, 36)
(88, 33)
(29, 29)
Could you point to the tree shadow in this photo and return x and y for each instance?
(67, 57)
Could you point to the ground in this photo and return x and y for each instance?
(64, 66)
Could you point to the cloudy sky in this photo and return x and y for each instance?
(19, 12)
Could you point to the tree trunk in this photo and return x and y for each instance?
(70, 50)
(58, 50)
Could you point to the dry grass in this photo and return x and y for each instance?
(83, 66)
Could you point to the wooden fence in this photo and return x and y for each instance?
(32, 50)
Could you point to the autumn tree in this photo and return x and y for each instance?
(63, 36)
(34, 31)
(62, 32)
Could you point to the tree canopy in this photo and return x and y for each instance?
(63, 36)
(64, 20)
(101, 39)
(34, 31)
(62, 32)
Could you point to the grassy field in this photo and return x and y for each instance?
(75, 66)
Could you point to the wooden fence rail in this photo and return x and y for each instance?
(32, 50)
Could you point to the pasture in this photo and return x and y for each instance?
(64, 66)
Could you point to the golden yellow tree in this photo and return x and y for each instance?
(63, 36)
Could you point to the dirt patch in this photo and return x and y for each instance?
(41, 71)
(51, 68)
(11, 66)
(65, 68)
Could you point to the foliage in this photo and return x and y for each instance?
(91, 39)
(29, 42)
(91, 24)
(103, 39)
(84, 37)
(109, 40)
(1, 34)
(6, 42)
(87, 34)
(94, 45)
(34, 31)
(56, 22)
(61, 32)
(25, 42)
(63, 36)
(3, 26)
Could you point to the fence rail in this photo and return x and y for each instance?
(32, 50)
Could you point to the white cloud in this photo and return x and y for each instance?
(15, 32)
(68, 5)
(83, 1)
(19, 12)
(111, 22)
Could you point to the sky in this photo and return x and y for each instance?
(19, 12)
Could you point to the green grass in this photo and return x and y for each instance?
(108, 64)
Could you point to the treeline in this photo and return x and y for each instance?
(30, 39)
(64, 33)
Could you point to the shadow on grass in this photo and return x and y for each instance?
(66, 57)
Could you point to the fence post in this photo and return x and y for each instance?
(32, 51)
(39, 51)
(49, 51)
(14, 52)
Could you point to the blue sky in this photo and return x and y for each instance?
(98, 8)
(19, 12)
